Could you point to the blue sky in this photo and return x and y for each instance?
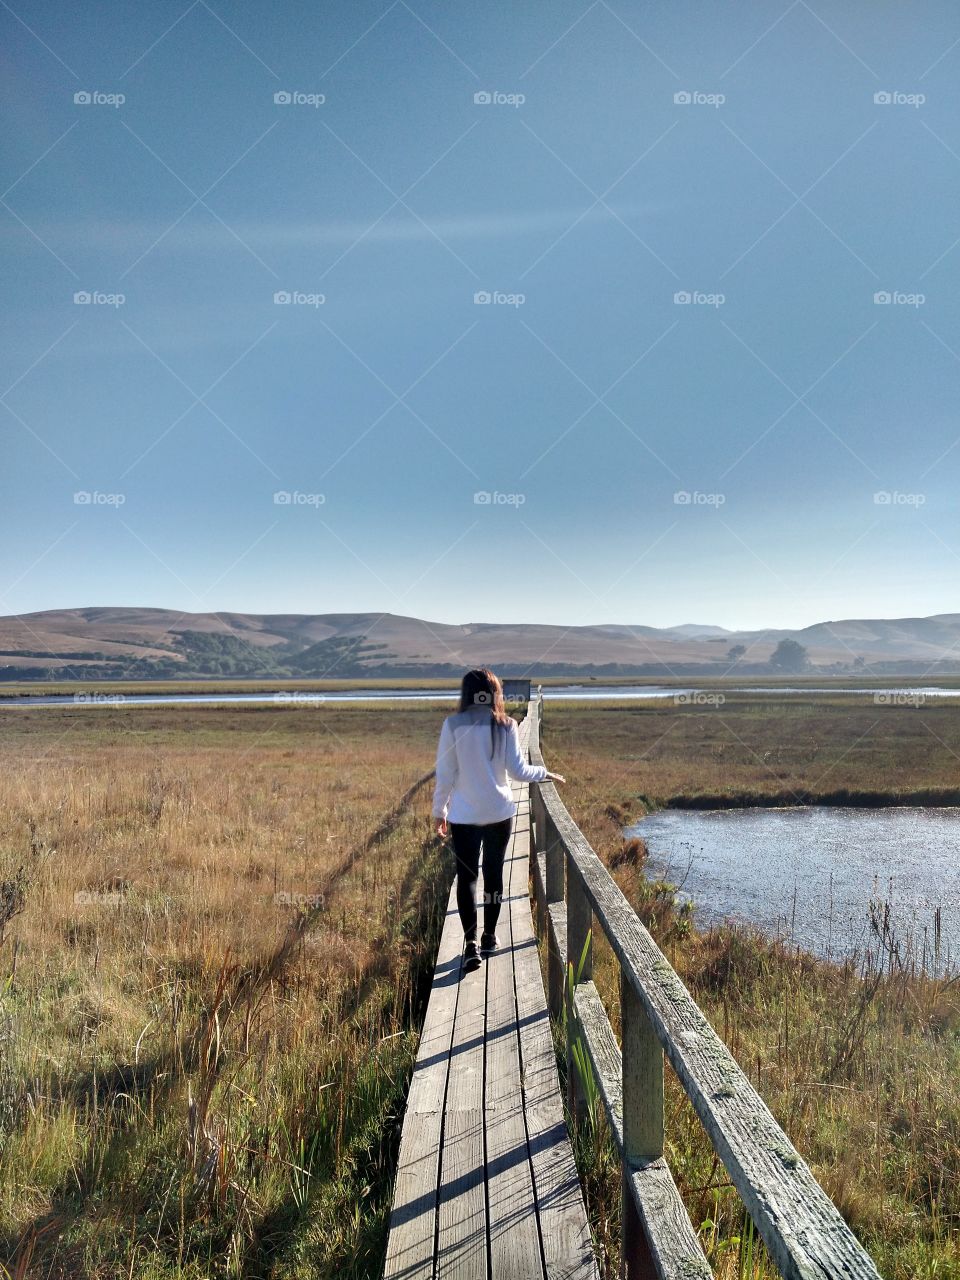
(812, 429)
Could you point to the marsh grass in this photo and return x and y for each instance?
(859, 1062)
(209, 1003)
(748, 751)
(177, 1102)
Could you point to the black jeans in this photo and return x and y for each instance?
(467, 839)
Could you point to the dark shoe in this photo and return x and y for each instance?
(471, 956)
(489, 942)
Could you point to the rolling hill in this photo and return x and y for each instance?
(142, 643)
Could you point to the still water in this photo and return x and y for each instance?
(559, 693)
(809, 874)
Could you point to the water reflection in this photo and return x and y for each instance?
(810, 874)
(559, 693)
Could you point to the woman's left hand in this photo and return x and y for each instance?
(441, 826)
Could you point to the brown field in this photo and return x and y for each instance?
(174, 1101)
(859, 1064)
(192, 1086)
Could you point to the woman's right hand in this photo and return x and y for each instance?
(555, 777)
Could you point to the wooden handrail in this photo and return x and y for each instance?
(804, 1233)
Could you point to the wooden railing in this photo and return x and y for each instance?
(804, 1233)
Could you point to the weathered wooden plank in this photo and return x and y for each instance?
(540, 1079)
(565, 1231)
(536, 816)
(462, 1211)
(672, 1241)
(643, 1122)
(673, 1245)
(555, 904)
(503, 1050)
(511, 1203)
(540, 900)
(465, 1080)
(462, 1235)
(484, 1122)
(579, 968)
(802, 1229)
(556, 957)
(412, 1237)
(601, 1044)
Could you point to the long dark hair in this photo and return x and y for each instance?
(482, 681)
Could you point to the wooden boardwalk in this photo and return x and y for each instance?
(486, 1185)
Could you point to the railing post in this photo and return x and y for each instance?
(537, 840)
(579, 969)
(534, 839)
(556, 962)
(642, 1123)
(538, 846)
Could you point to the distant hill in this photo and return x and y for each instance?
(144, 643)
(695, 629)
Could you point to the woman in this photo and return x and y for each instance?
(479, 747)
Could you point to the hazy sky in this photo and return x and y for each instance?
(813, 429)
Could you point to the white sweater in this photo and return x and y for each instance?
(470, 786)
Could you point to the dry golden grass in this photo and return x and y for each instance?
(177, 1101)
(751, 750)
(861, 1066)
(174, 1099)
